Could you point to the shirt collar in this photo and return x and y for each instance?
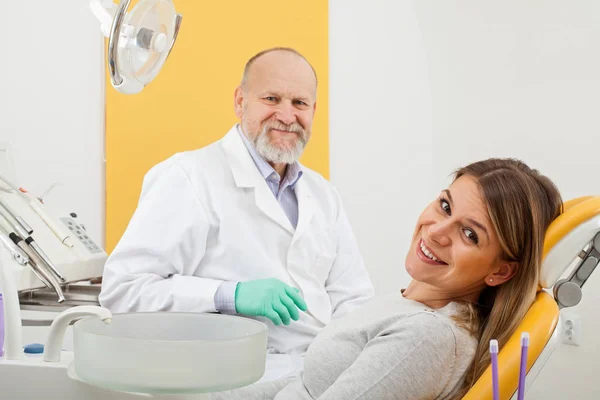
(293, 171)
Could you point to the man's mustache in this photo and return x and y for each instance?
(294, 127)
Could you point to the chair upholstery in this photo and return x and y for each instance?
(565, 238)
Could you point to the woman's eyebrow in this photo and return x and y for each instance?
(480, 226)
(448, 194)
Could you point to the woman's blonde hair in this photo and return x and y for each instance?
(521, 204)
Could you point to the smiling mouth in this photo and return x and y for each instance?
(427, 255)
(284, 132)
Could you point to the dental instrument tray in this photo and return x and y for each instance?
(44, 299)
(48, 253)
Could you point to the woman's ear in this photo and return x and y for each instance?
(503, 273)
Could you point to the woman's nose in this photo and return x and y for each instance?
(439, 232)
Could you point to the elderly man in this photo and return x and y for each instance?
(240, 227)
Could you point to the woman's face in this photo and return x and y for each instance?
(455, 249)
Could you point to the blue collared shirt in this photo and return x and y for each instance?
(283, 191)
(285, 195)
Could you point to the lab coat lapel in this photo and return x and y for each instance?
(240, 162)
(306, 208)
(246, 175)
(269, 205)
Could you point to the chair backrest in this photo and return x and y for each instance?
(564, 240)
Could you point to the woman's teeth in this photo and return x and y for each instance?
(428, 253)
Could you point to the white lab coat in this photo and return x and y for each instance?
(208, 216)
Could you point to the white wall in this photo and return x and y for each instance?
(52, 104)
(510, 78)
(380, 128)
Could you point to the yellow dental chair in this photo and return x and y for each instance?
(572, 241)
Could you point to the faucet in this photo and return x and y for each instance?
(13, 342)
(61, 322)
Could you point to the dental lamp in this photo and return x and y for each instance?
(139, 41)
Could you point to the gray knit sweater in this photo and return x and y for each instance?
(391, 348)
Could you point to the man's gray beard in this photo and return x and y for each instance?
(276, 154)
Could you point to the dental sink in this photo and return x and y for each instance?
(169, 353)
(141, 356)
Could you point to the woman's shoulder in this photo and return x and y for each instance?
(436, 324)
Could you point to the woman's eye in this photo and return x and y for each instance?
(471, 235)
(445, 206)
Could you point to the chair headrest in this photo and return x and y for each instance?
(567, 236)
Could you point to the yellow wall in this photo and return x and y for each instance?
(190, 103)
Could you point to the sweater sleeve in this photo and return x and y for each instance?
(410, 360)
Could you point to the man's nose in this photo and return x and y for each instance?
(286, 113)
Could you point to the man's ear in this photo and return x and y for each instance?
(238, 100)
(502, 274)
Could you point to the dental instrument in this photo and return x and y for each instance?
(18, 221)
(34, 246)
(38, 268)
(78, 264)
(24, 233)
(37, 263)
(19, 255)
(15, 251)
(523, 369)
(24, 224)
(37, 206)
(494, 357)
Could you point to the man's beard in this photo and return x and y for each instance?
(280, 154)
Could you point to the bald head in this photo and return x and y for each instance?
(279, 59)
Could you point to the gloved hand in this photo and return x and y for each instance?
(269, 298)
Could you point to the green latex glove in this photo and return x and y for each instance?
(269, 298)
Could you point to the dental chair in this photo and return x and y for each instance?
(572, 243)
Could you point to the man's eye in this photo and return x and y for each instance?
(271, 98)
(445, 206)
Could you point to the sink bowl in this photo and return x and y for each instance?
(170, 353)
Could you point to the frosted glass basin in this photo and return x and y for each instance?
(170, 353)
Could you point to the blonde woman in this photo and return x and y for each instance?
(474, 261)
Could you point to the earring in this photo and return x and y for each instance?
(491, 280)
